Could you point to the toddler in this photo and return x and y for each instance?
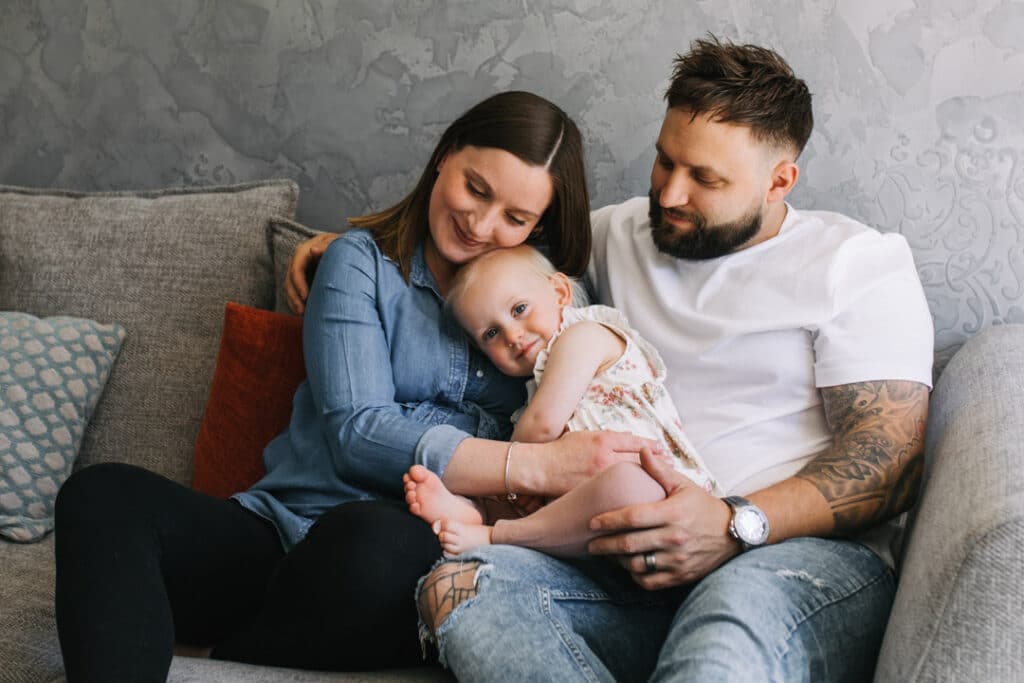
(590, 371)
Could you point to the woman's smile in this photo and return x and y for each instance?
(463, 236)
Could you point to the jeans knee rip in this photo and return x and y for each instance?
(426, 634)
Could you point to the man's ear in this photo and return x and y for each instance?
(563, 288)
(783, 178)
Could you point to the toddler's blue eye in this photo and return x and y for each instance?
(519, 309)
(490, 334)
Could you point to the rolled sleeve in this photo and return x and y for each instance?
(436, 447)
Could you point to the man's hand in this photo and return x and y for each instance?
(301, 269)
(687, 531)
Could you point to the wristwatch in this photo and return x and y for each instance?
(748, 525)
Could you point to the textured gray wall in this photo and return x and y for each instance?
(918, 104)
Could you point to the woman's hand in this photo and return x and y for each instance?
(687, 532)
(575, 457)
(301, 269)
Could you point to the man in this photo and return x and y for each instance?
(799, 349)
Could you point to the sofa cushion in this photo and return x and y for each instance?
(52, 372)
(29, 650)
(959, 610)
(195, 670)
(161, 263)
(259, 367)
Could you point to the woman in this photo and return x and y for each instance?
(315, 566)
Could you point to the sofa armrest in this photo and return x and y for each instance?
(959, 609)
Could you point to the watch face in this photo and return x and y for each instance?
(751, 526)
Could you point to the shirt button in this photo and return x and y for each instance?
(479, 373)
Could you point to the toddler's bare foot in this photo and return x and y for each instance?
(458, 537)
(429, 500)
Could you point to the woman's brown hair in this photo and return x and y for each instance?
(538, 133)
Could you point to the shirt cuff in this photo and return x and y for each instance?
(437, 446)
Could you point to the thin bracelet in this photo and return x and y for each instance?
(509, 494)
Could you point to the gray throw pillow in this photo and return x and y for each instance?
(52, 372)
(161, 263)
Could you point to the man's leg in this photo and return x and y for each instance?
(803, 610)
(508, 613)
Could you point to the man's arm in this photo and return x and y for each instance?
(873, 472)
(301, 268)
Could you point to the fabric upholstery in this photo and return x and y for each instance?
(191, 670)
(52, 372)
(162, 264)
(29, 651)
(959, 610)
(259, 366)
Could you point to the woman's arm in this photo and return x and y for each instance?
(544, 469)
(372, 439)
(579, 353)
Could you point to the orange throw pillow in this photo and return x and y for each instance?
(259, 367)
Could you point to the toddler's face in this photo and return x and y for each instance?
(511, 311)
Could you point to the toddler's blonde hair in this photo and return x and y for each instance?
(468, 274)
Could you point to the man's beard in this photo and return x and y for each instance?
(702, 241)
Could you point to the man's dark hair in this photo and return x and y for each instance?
(743, 84)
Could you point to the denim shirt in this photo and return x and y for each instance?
(392, 381)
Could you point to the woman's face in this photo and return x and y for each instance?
(485, 198)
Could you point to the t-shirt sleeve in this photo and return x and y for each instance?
(879, 326)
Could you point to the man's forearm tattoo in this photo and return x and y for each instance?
(873, 471)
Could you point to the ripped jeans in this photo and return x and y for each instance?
(807, 609)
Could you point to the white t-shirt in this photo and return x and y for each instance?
(748, 338)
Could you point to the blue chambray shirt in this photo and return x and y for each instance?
(392, 381)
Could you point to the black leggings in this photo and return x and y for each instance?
(143, 562)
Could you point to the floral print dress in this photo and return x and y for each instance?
(628, 396)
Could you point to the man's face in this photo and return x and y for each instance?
(708, 187)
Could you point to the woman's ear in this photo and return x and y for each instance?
(563, 288)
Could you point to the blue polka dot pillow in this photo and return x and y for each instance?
(52, 372)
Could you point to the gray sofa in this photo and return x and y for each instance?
(163, 264)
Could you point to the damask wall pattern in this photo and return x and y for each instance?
(918, 105)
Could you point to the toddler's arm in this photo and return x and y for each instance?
(581, 352)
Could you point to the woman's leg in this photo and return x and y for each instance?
(143, 561)
(562, 527)
(343, 598)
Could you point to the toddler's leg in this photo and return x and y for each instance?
(562, 527)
